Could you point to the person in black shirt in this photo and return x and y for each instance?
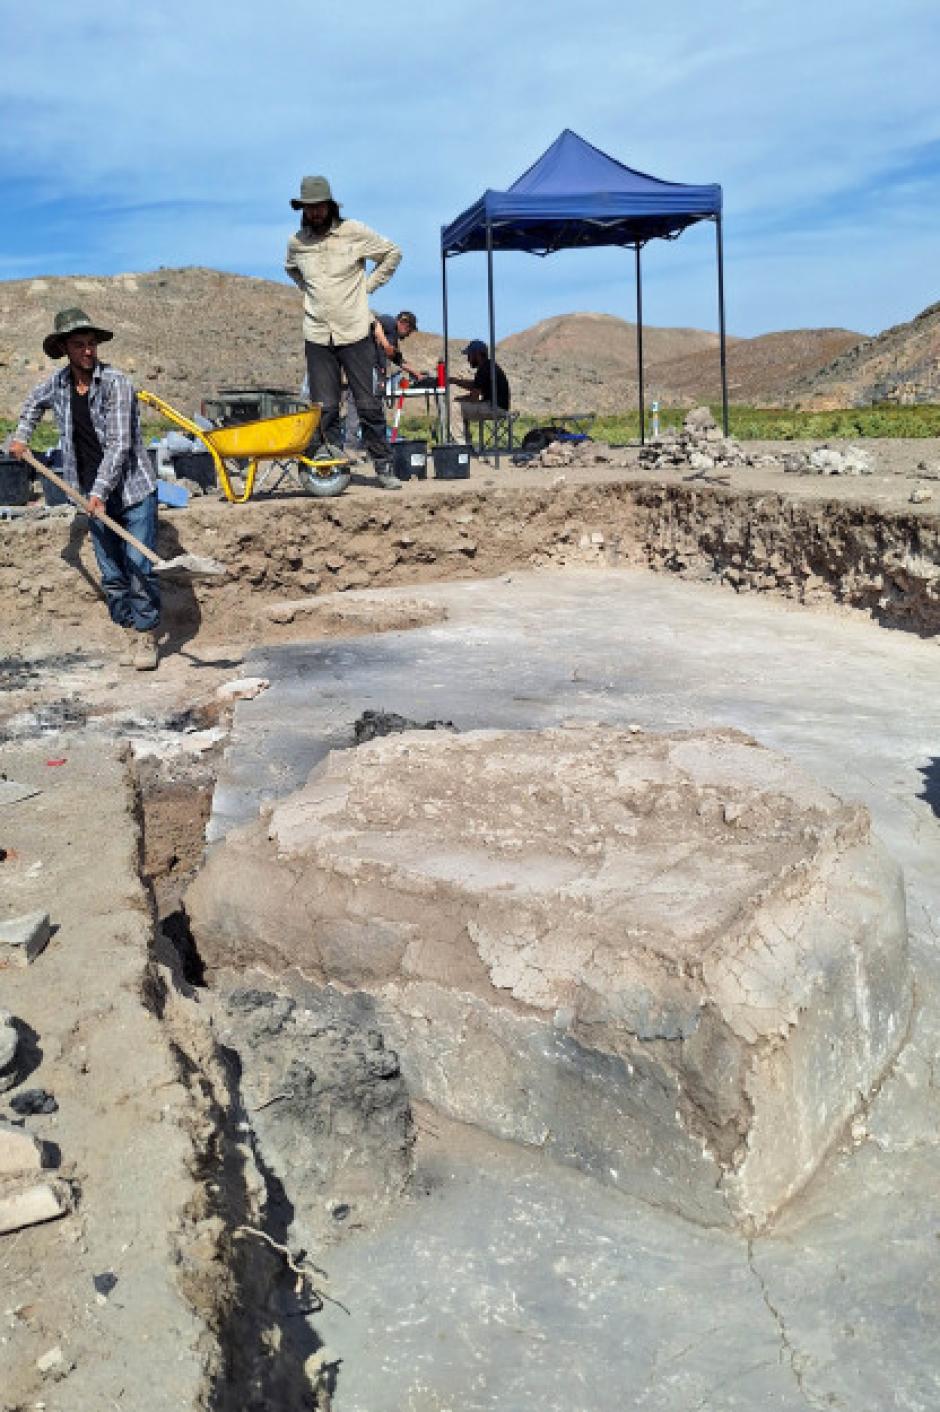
(478, 403)
(388, 334)
(103, 456)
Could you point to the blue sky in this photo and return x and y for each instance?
(134, 136)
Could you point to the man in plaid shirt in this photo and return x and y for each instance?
(103, 456)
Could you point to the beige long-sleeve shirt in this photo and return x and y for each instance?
(331, 271)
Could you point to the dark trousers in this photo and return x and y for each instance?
(130, 585)
(326, 362)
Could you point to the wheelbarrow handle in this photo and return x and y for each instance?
(80, 500)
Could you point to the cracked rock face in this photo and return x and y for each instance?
(674, 961)
(324, 1104)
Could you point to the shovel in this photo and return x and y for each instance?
(191, 565)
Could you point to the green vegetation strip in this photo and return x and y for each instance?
(746, 424)
(750, 423)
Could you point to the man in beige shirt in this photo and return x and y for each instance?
(327, 260)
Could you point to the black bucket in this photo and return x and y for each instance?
(410, 458)
(195, 465)
(14, 481)
(452, 462)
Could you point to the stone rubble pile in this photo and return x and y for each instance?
(828, 461)
(701, 445)
(27, 1195)
(575, 453)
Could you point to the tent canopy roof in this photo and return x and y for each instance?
(576, 196)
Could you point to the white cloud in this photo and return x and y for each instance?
(177, 133)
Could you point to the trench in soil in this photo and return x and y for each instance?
(825, 555)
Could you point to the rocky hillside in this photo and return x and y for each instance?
(587, 362)
(180, 333)
(186, 333)
(900, 365)
(761, 371)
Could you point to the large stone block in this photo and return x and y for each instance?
(674, 961)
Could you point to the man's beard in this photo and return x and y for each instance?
(317, 225)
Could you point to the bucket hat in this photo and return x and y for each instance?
(69, 321)
(313, 190)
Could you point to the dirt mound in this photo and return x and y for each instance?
(900, 365)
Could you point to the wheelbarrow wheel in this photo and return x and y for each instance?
(324, 483)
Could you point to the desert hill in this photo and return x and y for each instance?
(587, 362)
(900, 365)
(180, 333)
(185, 333)
(761, 371)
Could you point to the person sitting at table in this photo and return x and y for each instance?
(477, 404)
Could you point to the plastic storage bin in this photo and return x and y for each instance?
(410, 458)
(51, 493)
(451, 462)
(14, 481)
(197, 466)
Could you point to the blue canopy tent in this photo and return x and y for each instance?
(576, 196)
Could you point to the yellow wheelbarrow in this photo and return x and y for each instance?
(237, 450)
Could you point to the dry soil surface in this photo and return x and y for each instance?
(138, 1132)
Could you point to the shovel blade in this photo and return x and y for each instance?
(191, 566)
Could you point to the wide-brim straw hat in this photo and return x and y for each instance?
(313, 191)
(69, 321)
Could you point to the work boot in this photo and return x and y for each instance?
(146, 654)
(129, 649)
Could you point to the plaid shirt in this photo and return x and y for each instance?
(112, 405)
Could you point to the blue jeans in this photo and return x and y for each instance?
(129, 582)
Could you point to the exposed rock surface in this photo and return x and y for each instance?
(901, 365)
(324, 1101)
(674, 961)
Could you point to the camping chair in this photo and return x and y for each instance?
(494, 430)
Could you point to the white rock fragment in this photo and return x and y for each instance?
(9, 1044)
(30, 1206)
(51, 1362)
(23, 938)
(20, 1151)
(242, 689)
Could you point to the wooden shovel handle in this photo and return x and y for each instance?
(79, 499)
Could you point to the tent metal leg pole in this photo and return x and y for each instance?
(721, 327)
(446, 417)
(492, 308)
(639, 346)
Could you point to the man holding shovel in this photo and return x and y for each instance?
(103, 457)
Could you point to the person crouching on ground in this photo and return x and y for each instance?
(327, 260)
(103, 456)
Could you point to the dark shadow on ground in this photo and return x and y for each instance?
(72, 553)
(931, 790)
(180, 616)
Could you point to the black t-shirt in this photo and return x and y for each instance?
(88, 452)
(482, 381)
